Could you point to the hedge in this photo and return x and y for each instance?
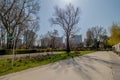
(24, 51)
(5, 51)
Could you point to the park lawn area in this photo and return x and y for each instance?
(26, 63)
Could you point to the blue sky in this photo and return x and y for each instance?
(93, 13)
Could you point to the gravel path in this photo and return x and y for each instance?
(95, 66)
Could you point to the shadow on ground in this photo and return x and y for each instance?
(82, 66)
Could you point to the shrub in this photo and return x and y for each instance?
(24, 51)
(2, 51)
(5, 51)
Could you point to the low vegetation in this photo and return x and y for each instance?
(27, 62)
(26, 51)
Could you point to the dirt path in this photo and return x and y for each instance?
(96, 66)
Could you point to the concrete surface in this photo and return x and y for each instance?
(95, 66)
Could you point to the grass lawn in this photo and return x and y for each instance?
(26, 63)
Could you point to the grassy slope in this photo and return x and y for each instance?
(22, 64)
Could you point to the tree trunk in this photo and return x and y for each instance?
(68, 46)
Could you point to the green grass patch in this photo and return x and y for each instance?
(26, 63)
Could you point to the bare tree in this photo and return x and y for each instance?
(2, 36)
(97, 32)
(14, 13)
(30, 34)
(95, 36)
(67, 19)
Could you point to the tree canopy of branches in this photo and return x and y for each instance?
(30, 35)
(67, 19)
(115, 35)
(14, 14)
(95, 35)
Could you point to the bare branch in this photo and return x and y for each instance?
(67, 19)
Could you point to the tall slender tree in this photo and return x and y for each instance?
(67, 19)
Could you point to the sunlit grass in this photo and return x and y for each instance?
(26, 63)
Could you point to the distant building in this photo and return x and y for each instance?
(57, 42)
(116, 48)
(85, 42)
(19, 43)
(76, 41)
(45, 42)
(88, 42)
(29, 38)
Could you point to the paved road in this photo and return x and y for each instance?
(24, 55)
(96, 66)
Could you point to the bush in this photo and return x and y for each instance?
(18, 51)
(2, 51)
(24, 51)
(5, 51)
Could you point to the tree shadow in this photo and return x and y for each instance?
(80, 67)
(92, 58)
